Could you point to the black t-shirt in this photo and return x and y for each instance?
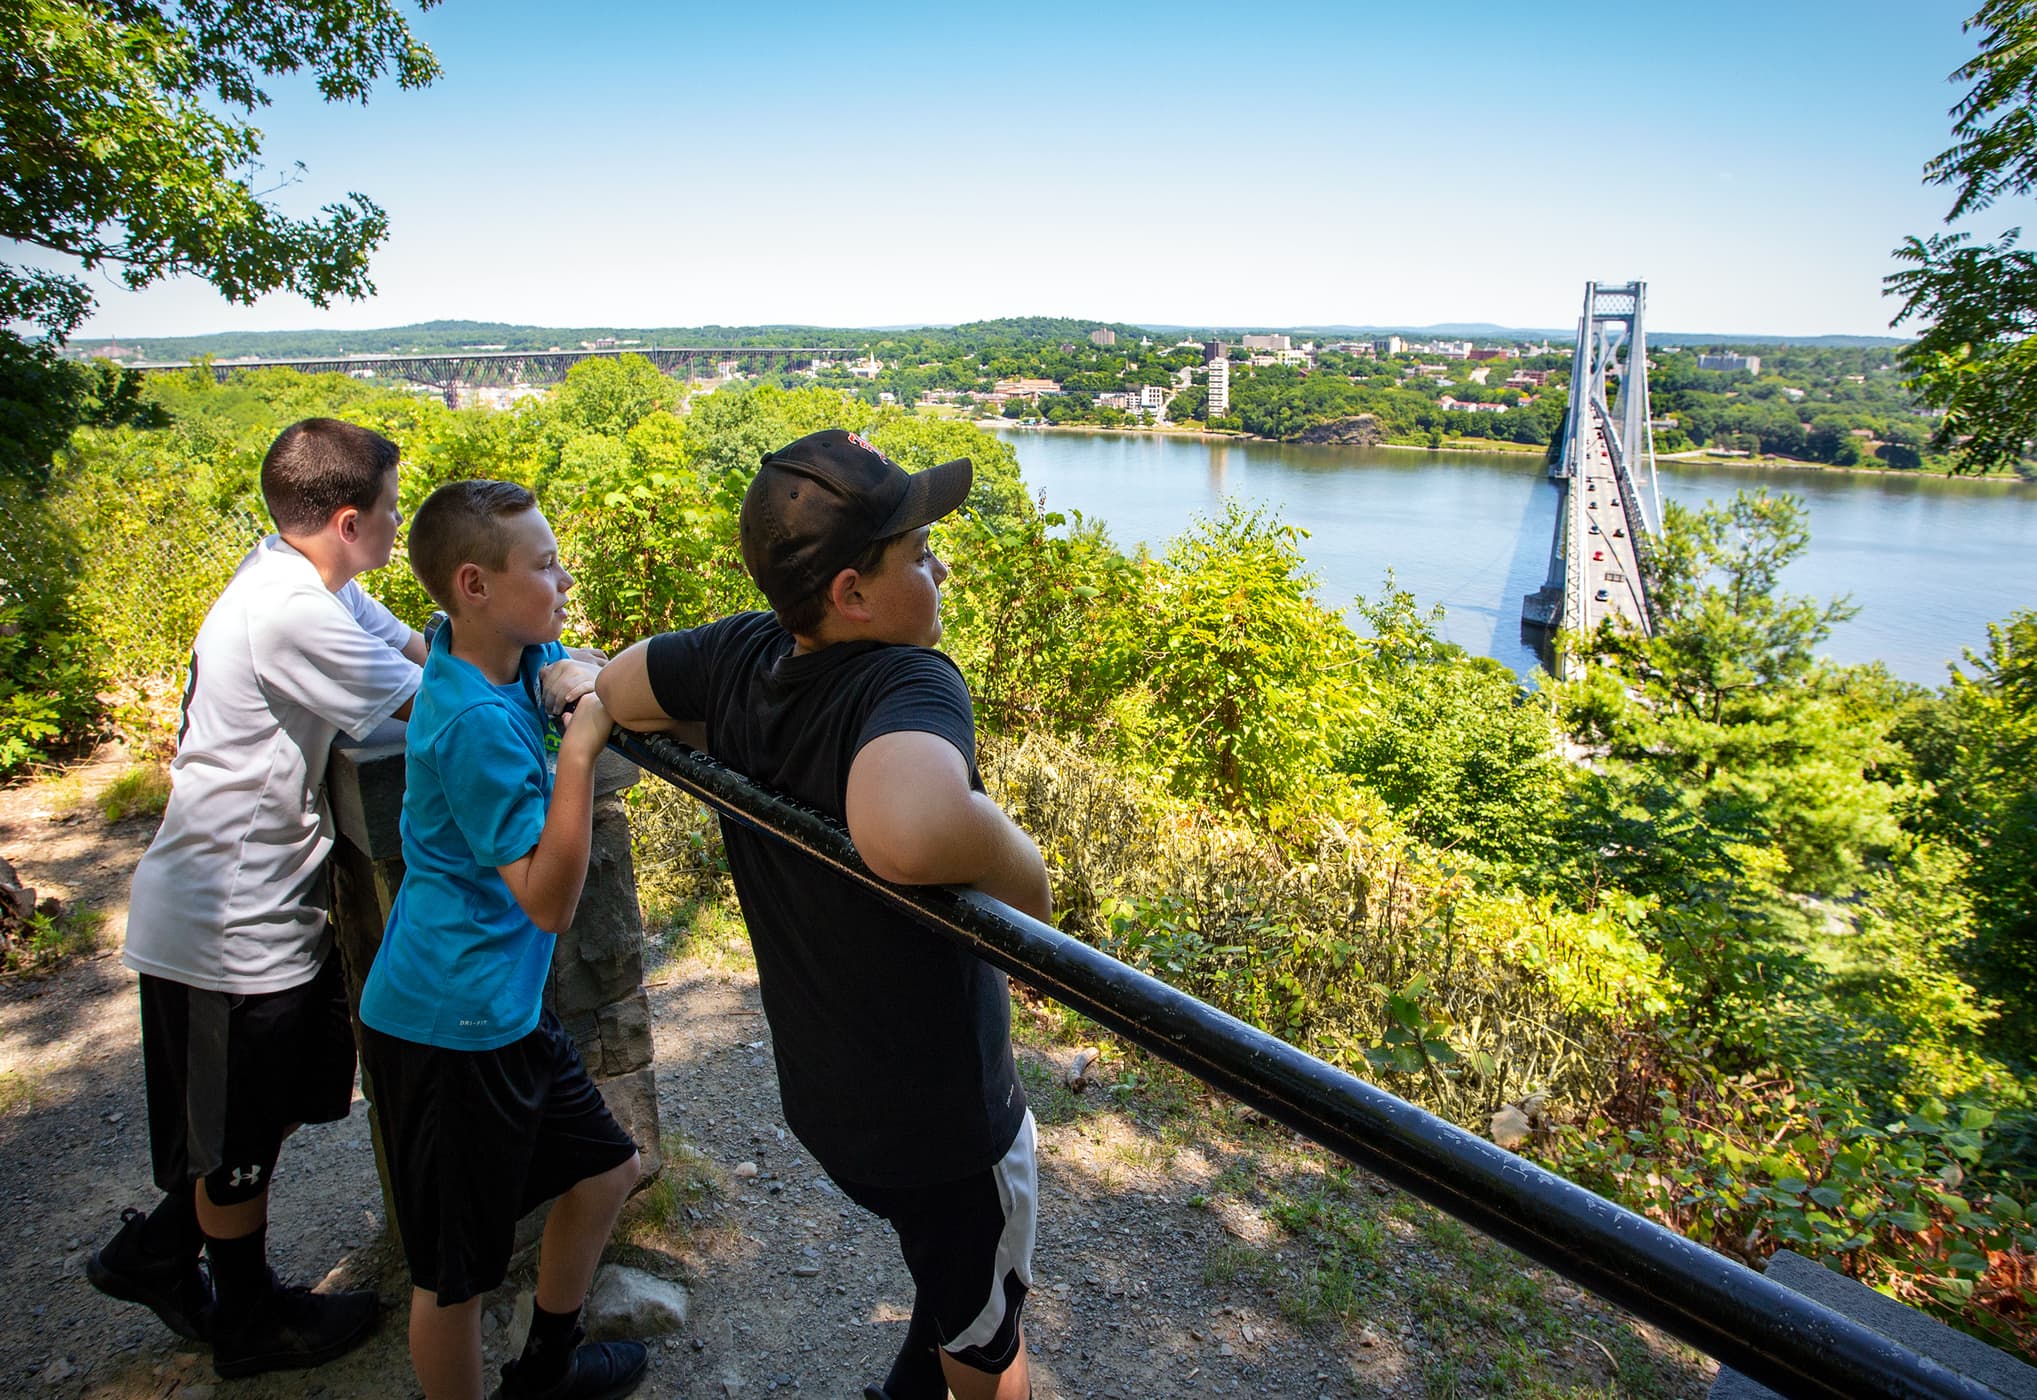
(893, 1043)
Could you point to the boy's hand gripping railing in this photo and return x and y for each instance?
(1747, 1321)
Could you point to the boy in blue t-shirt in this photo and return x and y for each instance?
(485, 1108)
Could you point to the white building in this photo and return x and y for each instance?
(1219, 388)
(1266, 342)
(1153, 397)
(1389, 345)
(1729, 362)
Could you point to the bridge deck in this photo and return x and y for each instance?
(1609, 579)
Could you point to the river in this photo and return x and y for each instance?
(1928, 562)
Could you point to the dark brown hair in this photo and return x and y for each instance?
(320, 466)
(803, 619)
(461, 523)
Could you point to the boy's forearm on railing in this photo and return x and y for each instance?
(1015, 873)
(547, 882)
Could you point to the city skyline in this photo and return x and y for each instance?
(1183, 166)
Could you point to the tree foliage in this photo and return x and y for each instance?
(1977, 360)
(1726, 705)
(43, 398)
(1976, 746)
(1458, 748)
(130, 144)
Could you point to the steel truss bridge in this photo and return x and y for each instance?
(452, 372)
(1600, 559)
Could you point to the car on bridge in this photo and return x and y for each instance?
(1597, 555)
(1602, 595)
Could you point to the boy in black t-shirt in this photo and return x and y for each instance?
(893, 1044)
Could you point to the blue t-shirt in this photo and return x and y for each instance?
(461, 965)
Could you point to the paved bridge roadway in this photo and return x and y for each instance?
(1604, 528)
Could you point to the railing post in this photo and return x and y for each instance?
(596, 986)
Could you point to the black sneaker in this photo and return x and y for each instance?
(596, 1371)
(291, 1329)
(175, 1289)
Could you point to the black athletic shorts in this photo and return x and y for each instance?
(477, 1138)
(968, 1245)
(228, 1074)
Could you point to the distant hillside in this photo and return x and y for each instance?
(439, 337)
(451, 336)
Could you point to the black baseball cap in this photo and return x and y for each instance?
(817, 503)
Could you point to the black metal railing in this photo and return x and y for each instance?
(1758, 1327)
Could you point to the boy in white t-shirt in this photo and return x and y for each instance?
(245, 1029)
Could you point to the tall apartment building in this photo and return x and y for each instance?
(1389, 345)
(1219, 388)
(1103, 335)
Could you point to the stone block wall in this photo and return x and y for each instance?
(596, 987)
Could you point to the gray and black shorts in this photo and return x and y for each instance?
(229, 1074)
(969, 1247)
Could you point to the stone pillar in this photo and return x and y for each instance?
(596, 987)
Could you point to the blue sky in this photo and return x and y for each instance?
(650, 164)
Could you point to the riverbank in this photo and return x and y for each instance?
(1491, 445)
(1174, 430)
(1497, 447)
(1730, 459)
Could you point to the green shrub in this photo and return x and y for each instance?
(50, 669)
(1295, 934)
(48, 936)
(1749, 1165)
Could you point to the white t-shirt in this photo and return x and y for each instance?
(230, 895)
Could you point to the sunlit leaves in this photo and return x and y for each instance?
(1976, 359)
(125, 149)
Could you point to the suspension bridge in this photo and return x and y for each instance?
(1599, 557)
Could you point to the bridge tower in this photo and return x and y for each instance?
(1600, 556)
(1611, 344)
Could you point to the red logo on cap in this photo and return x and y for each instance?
(857, 438)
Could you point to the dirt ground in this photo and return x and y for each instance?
(1175, 1256)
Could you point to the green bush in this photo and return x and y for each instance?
(1750, 1164)
(50, 668)
(1295, 934)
